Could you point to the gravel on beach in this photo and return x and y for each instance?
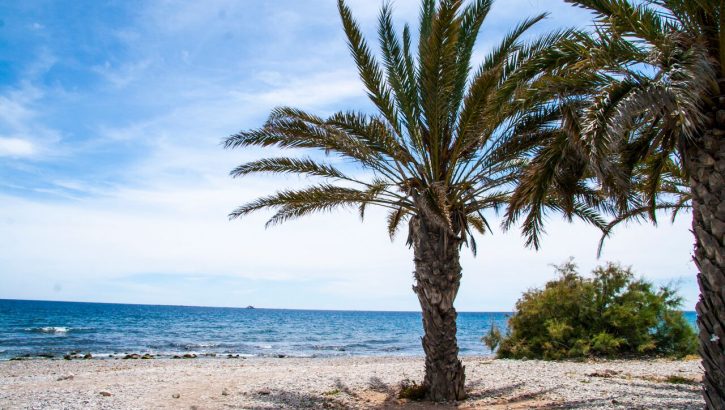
(343, 382)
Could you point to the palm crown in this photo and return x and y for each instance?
(637, 92)
(645, 100)
(436, 145)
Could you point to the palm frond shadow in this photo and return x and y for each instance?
(287, 399)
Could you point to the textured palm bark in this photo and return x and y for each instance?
(437, 278)
(706, 166)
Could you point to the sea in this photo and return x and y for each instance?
(55, 329)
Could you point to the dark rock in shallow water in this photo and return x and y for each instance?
(281, 356)
(132, 356)
(88, 356)
(147, 356)
(27, 356)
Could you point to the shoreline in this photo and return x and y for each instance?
(195, 355)
(181, 356)
(342, 382)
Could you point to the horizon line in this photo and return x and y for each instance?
(240, 307)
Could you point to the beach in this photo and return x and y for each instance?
(342, 382)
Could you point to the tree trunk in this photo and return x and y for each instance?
(437, 278)
(706, 166)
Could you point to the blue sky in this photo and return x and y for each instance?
(113, 185)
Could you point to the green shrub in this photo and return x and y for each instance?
(675, 379)
(611, 314)
(411, 390)
(493, 338)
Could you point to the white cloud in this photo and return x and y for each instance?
(16, 147)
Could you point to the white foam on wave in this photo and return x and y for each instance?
(50, 329)
(201, 345)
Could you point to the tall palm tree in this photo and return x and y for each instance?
(656, 73)
(431, 155)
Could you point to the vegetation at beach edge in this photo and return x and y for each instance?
(610, 314)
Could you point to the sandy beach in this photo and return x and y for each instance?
(352, 382)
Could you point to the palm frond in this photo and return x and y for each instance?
(399, 69)
(295, 203)
(627, 19)
(395, 217)
(370, 72)
(305, 166)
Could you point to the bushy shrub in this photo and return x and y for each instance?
(411, 390)
(611, 314)
(493, 338)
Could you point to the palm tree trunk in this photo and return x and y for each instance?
(437, 277)
(706, 166)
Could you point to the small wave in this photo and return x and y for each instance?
(49, 329)
(376, 341)
(337, 348)
(185, 346)
(199, 345)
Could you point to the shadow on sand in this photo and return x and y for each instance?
(379, 395)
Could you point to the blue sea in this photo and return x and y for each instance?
(34, 328)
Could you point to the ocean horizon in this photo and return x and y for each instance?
(33, 328)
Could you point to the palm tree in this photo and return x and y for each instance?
(431, 155)
(655, 72)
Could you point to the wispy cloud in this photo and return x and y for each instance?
(22, 131)
(113, 184)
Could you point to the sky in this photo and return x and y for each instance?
(114, 186)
